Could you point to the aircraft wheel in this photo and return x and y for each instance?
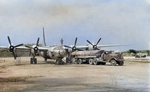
(91, 61)
(31, 60)
(80, 61)
(113, 62)
(35, 61)
(45, 59)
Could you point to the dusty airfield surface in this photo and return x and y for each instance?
(22, 76)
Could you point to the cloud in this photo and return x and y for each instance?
(115, 21)
(148, 1)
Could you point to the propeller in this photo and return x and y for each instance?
(34, 48)
(74, 47)
(11, 47)
(94, 46)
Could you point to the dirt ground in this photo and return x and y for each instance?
(22, 76)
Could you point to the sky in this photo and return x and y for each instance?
(124, 22)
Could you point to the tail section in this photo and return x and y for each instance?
(44, 37)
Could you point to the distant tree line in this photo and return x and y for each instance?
(132, 51)
(5, 54)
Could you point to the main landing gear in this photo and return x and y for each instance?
(33, 61)
(59, 61)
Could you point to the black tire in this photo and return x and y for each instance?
(95, 62)
(113, 62)
(73, 60)
(45, 59)
(31, 60)
(120, 63)
(77, 61)
(103, 63)
(80, 61)
(91, 61)
(98, 63)
(35, 61)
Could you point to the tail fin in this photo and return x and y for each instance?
(44, 37)
(61, 42)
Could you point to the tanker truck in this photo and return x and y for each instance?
(97, 57)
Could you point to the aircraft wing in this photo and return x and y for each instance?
(98, 46)
(82, 47)
(113, 45)
(22, 51)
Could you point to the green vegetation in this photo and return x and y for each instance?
(5, 54)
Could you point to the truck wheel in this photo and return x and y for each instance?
(80, 61)
(91, 61)
(95, 62)
(120, 63)
(103, 63)
(113, 62)
(73, 60)
(77, 61)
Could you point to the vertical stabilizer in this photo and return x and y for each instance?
(61, 42)
(44, 37)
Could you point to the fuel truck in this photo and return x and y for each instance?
(97, 57)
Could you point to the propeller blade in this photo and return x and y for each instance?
(89, 42)
(28, 47)
(9, 40)
(18, 45)
(14, 55)
(97, 48)
(67, 46)
(75, 42)
(37, 42)
(98, 41)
